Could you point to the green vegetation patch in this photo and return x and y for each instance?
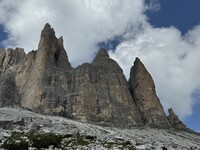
(44, 140)
(16, 141)
(23, 141)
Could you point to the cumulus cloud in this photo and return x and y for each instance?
(83, 23)
(171, 58)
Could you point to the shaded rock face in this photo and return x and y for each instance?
(174, 121)
(11, 58)
(44, 81)
(9, 94)
(142, 88)
(10, 61)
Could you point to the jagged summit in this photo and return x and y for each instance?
(60, 40)
(51, 51)
(175, 121)
(104, 62)
(44, 81)
(102, 57)
(137, 60)
(102, 53)
(47, 30)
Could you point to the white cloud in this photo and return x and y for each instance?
(153, 5)
(83, 23)
(171, 58)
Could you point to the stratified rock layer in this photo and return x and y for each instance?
(44, 81)
(143, 91)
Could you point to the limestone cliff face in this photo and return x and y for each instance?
(102, 94)
(40, 78)
(10, 61)
(142, 88)
(44, 82)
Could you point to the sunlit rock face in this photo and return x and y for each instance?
(142, 88)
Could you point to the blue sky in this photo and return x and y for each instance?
(2, 34)
(184, 15)
(164, 34)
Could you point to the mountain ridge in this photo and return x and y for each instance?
(45, 82)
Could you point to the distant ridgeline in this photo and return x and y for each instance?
(45, 82)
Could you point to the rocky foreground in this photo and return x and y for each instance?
(22, 129)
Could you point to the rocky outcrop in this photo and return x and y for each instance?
(45, 82)
(142, 88)
(174, 121)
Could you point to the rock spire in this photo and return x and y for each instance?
(142, 88)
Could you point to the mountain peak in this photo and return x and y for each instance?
(102, 53)
(47, 25)
(47, 30)
(101, 57)
(143, 91)
(103, 61)
(175, 121)
(137, 59)
(138, 62)
(51, 51)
